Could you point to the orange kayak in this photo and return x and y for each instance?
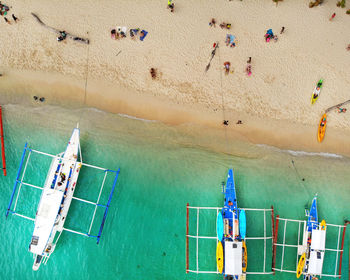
(322, 128)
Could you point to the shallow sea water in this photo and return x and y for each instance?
(162, 168)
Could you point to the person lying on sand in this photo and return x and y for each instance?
(153, 73)
(332, 17)
(249, 69)
(113, 34)
(341, 110)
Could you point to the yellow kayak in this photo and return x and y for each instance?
(220, 257)
(245, 257)
(323, 225)
(322, 128)
(301, 265)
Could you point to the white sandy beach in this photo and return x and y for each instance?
(273, 103)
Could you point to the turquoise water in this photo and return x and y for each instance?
(162, 168)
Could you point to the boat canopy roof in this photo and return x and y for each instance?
(47, 212)
(318, 240)
(316, 262)
(233, 257)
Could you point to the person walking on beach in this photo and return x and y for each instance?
(332, 17)
(7, 21)
(14, 18)
(282, 30)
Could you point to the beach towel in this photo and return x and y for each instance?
(144, 35)
(230, 38)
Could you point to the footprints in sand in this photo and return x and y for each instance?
(269, 79)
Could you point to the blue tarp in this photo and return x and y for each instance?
(269, 32)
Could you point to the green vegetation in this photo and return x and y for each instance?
(341, 3)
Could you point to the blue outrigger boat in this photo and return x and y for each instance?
(313, 248)
(231, 232)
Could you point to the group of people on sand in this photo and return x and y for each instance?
(41, 99)
(223, 25)
(63, 36)
(248, 69)
(121, 33)
(171, 5)
(3, 11)
(269, 35)
(225, 122)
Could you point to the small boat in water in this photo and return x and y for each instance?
(232, 238)
(313, 247)
(56, 197)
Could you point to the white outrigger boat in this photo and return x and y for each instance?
(313, 245)
(56, 197)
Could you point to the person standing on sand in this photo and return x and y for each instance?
(14, 18)
(7, 21)
(249, 60)
(332, 17)
(227, 67)
(282, 30)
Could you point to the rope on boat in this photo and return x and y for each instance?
(70, 36)
(223, 102)
(337, 106)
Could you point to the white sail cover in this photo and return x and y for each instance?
(318, 241)
(233, 258)
(316, 262)
(47, 212)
